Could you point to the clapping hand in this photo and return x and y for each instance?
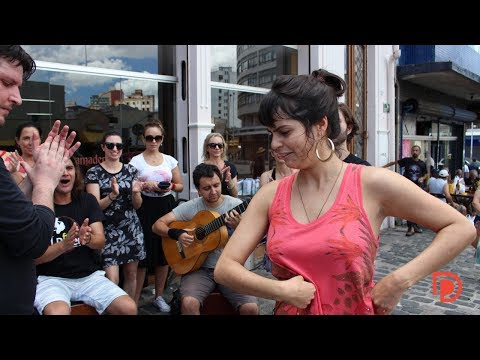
(68, 243)
(115, 186)
(51, 157)
(85, 233)
(137, 186)
(13, 163)
(227, 175)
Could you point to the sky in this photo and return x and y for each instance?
(143, 58)
(79, 88)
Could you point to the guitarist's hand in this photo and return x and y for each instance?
(186, 239)
(233, 218)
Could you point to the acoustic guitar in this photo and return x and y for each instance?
(209, 233)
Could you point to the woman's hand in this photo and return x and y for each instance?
(227, 175)
(137, 186)
(115, 186)
(13, 163)
(300, 293)
(386, 294)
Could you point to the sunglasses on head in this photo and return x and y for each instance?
(110, 145)
(214, 145)
(150, 138)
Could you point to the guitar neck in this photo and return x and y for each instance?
(220, 221)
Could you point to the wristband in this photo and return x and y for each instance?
(175, 233)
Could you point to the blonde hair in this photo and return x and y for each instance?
(154, 123)
(206, 155)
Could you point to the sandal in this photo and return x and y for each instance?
(410, 233)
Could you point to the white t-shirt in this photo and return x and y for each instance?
(162, 172)
(435, 186)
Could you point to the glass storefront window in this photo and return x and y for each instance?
(252, 65)
(141, 58)
(90, 105)
(234, 115)
(234, 112)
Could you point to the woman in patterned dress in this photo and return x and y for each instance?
(118, 192)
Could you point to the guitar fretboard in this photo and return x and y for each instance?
(220, 221)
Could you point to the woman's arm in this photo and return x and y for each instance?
(230, 271)
(386, 193)
(104, 202)
(177, 182)
(137, 194)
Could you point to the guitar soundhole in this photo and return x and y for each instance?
(200, 233)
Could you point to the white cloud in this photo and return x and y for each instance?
(76, 54)
(223, 55)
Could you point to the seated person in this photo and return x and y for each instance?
(197, 285)
(70, 269)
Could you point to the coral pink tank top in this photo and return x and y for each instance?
(335, 252)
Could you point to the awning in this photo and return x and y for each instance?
(447, 78)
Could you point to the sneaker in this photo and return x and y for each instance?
(161, 305)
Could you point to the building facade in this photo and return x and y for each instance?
(197, 89)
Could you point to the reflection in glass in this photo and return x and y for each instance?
(143, 58)
(252, 65)
(234, 113)
(90, 105)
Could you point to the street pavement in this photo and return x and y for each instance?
(395, 250)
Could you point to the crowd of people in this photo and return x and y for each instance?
(69, 237)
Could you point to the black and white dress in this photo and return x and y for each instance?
(123, 231)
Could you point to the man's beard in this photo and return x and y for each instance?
(341, 138)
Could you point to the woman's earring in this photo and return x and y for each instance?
(331, 153)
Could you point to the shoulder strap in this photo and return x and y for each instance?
(273, 174)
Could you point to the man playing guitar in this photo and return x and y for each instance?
(195, 286)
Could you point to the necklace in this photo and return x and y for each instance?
(301, 198)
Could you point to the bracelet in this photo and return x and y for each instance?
(230, 188)
(110, 197)
(175, 233)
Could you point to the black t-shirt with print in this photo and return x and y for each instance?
(414, 170)
(81, 261)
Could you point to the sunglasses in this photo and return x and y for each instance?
(110, 145)
(214, 145)
(150, 138)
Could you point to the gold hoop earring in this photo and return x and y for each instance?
(331, 153)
